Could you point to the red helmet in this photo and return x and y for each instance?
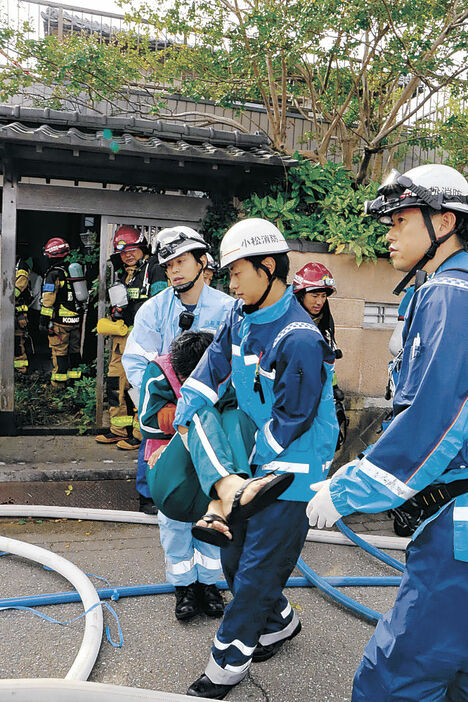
(56, 248)
(314, 276)
(127, 238)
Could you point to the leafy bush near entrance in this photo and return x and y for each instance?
(317, 203)
(38, 403)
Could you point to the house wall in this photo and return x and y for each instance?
(363, 368)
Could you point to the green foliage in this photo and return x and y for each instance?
(351, 64)
(219, 216)
(88, 256)
(322, 203)
(37, 403)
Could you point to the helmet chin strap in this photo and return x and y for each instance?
(430, 253)
(248, 309)
(185, 287)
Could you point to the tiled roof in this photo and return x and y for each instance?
(169, 131)
(68, 145)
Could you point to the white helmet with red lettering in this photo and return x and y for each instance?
(251, 237)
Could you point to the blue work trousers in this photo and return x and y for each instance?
(257, 564)
(419, 650)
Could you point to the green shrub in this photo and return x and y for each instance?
(318, 203)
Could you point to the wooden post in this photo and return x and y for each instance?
(101, 312)
(7, 302)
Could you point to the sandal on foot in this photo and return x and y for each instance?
(210, 535)
(264, 497)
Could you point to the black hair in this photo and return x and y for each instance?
(197, 254)
(186, 351)
(281, 268)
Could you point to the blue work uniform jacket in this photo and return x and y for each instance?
(157, 325)
(427, 441)
(281, 369)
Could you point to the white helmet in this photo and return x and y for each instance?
(434, 185)
(251, 237)
(174, 241)
(211, 265)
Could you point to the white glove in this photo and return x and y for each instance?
(321, 511)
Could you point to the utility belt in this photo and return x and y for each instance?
(432, 498)
(425, 504)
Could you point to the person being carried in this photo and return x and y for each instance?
(186, 490)
(281, 369)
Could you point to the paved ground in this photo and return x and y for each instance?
(158, 653)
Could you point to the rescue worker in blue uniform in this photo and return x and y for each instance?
(282, 369)
(419, 650)
(187, 303)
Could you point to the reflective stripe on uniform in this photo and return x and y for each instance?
(267, 374)
(144, 406)
(21, 364)
(47, 311)
(197, 559)
(122, 421)
(268, 639)
(205, 442)
(243, 648)
(231, 675)
(292, 327)
(61, 377)
(74, 373)
(286, 467)
(387, 479)
(277, 448)
(64, 312)
(202, 388)
(460, 514)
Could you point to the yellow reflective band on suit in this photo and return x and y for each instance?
(21, 308)
(63, 312)
(136, 423)
(123, 421)
(61, 377)
(47, 311)
(74, 373)
(21, 364)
